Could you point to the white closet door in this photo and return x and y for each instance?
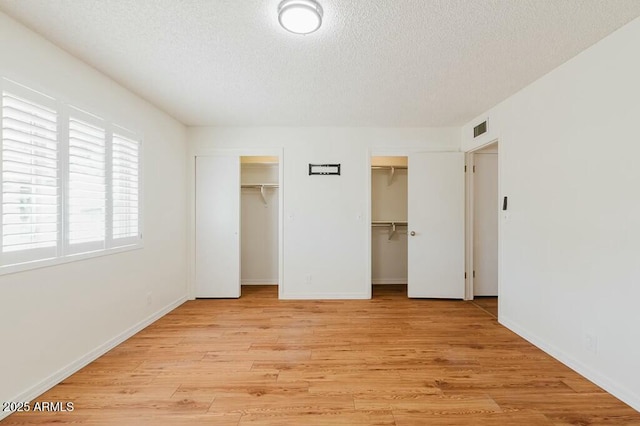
(218, 226)
(485, 225)
(436, 225)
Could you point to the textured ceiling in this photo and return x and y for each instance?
(373, 62)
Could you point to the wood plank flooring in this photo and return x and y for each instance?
(487, 303)
(386, 361)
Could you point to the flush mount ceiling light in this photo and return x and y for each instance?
(300, 16)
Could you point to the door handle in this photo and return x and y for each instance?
(412, 233)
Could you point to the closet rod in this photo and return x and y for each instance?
(391, 224)
(392, 171)
(262, 186)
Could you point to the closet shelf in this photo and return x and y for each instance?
(392, 171)
(261, 187)
(392, 224)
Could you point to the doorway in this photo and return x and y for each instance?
(389, 225)
(237, 223)
(484, 214)
(259, 217)
(434, 221)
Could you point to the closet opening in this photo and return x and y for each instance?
(259, 223)
(389, 260)
(484, 215)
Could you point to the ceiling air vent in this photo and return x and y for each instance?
(480, 129)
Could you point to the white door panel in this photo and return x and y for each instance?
(217, 226)
(436, 216)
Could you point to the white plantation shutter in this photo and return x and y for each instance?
(30, 172)
(70, 182)
(125, 189)
(86, 187)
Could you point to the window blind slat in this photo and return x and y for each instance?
(83, 193)
(28, 147)
(12, 218)
(20, 188)
(84, 167)
(28, 242)
(17, 102)
(123, 143)
(41, 228)
(14, 114)
(86, 134)
(20, 209)
(23, 180)
(81, 178)
(30, 161)
(29, 129)
(81, 152)
(125, 199)
(24, 134)
(86, 146)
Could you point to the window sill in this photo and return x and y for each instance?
(44, 263)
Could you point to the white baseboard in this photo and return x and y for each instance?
(619, 391)
(324, 296)
(376, 281)
(57, 377)
(273, 281)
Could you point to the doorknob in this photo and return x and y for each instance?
(413, 233)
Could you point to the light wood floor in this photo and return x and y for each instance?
(488, 304)
(386, 361)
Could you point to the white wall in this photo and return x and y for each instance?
(326, 218)
(389, 202)
(570, 253)
(56, 318)
(259, 225)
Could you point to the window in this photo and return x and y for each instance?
(70, 181)
(30, 184)
(125, 159)
(86, 200)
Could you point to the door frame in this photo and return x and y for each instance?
(384, 152)
(469, 216)
(191, 211)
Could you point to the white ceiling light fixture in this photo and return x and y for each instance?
(300, 16)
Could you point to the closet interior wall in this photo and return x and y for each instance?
(259, 222)
(389, 204)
